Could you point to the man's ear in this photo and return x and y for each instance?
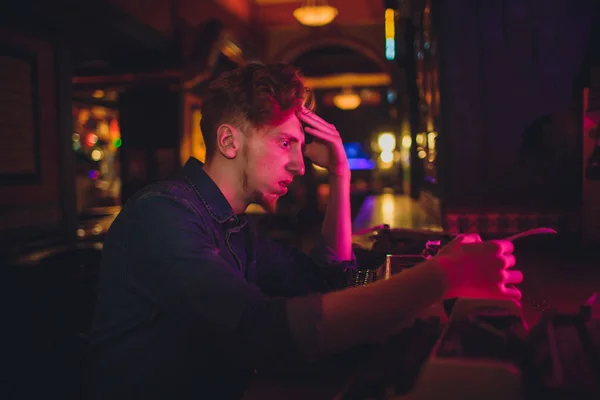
(228, 140)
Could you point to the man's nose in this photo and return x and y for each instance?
(296, 165)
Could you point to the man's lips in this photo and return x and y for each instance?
(283, 185)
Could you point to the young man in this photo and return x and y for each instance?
(191, 299)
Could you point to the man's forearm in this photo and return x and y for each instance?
(353, 316)
(337, 226)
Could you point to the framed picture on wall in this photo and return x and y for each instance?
(20, 159)
(30, 181)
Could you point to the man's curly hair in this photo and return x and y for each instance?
(250, 98)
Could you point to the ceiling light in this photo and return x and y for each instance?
(315, 13)
(348, 99)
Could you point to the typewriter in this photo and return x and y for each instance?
(485, 350)
(382, 251)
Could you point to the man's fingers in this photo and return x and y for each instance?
(513, 276)
(511, 292)
(320, 130)
(311, 115)
(509, 261)
(504, 246)
(317, 123)
(500, 247)
(321, 134)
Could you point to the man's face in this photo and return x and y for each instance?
(272, 158)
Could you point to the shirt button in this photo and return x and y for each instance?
(231, 219)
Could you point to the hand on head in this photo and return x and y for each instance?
(326, 148)
(475, 268)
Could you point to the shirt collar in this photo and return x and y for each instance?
(215, 202)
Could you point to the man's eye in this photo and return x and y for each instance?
(286, 144)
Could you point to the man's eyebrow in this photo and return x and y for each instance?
(289, 136)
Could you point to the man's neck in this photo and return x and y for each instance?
(228, 184)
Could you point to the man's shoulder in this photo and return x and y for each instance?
(176, 190)
(171, 188)
(166, 206)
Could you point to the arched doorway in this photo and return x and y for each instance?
(305, 45)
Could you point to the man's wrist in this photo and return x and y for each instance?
(340, 173)
(341, 168)
(341, 177)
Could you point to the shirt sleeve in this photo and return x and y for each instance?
(173, 261)
(287, 271)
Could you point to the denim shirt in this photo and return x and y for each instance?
(192, 299)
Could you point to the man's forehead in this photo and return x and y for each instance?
(290, 126)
